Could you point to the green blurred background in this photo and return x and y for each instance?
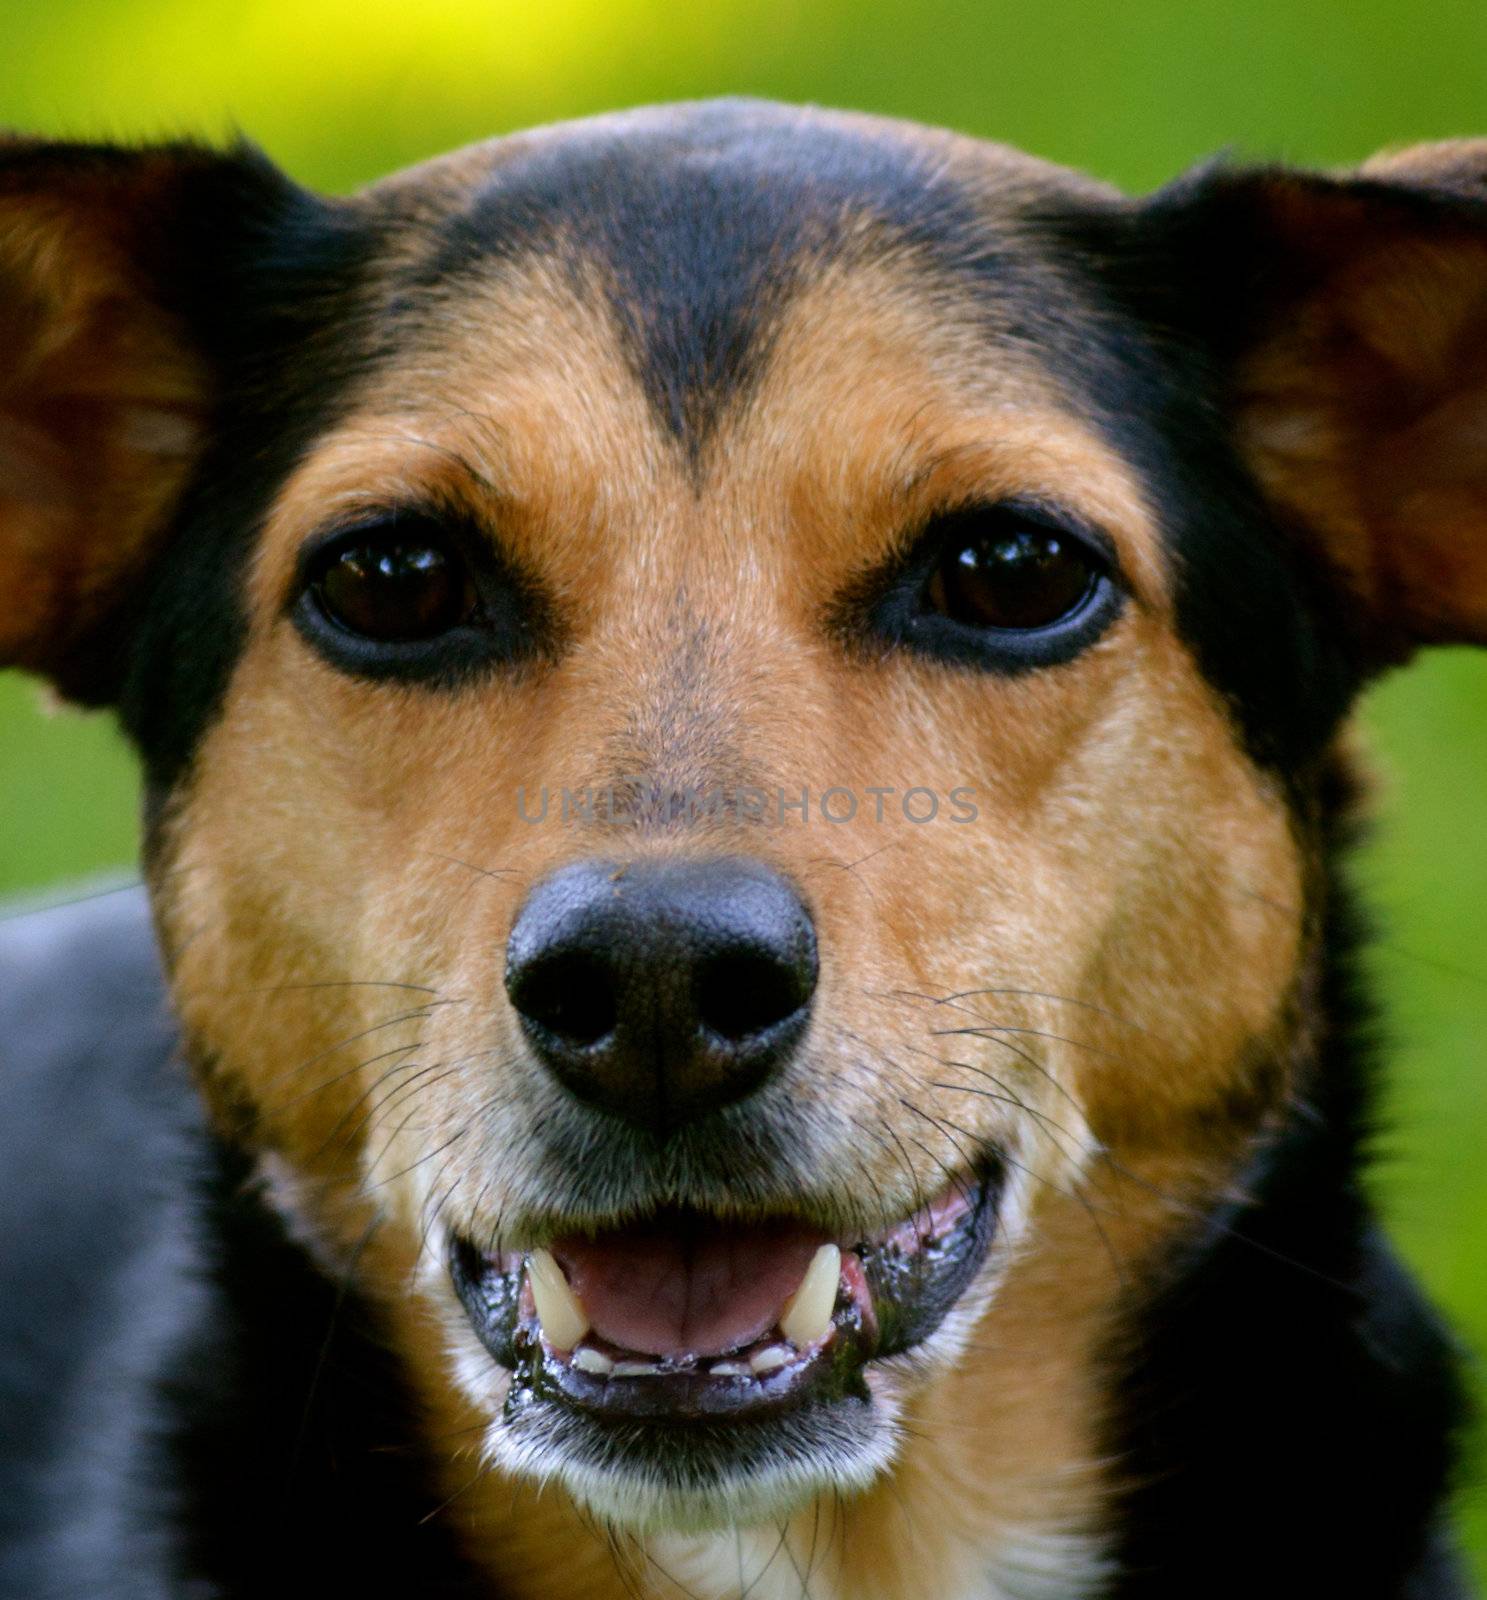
(339, 91)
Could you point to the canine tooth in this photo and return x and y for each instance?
(807, 1313)
(770, 1359)
(559, 1310)
(634, 1369)
(728, 1369)
(587, 1359)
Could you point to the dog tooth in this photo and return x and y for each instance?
(807, 1313)
(634, 1369)
(770, 1359)
(728, 1369)
(587, 1359)
(559, 1310)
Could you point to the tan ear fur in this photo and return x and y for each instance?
(102, 401)
(1362, 394)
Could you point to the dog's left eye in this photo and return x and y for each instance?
(393, 589)
(1005, 587)
(1011, 577)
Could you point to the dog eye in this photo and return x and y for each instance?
(1014, 578)
(1010, 586)
(394, 588)
(416, 596)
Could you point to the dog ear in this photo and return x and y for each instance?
(107, 257)
(1349, 314)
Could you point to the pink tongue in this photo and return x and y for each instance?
(698, 1289)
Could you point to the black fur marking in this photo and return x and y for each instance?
(703, 226)
(294, 1438)
(190, 1407)
(268, 285)
(1289, 1409)
(1192, 275)
(1265, 627)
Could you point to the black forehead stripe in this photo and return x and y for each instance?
(703, 227)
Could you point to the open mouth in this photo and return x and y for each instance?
(686, 1318)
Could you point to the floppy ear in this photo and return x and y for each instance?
(1350, 315)
(106, 391)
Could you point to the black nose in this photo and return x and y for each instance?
(662, 990)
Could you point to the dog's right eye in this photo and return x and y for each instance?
(394, 589)
(407, 597)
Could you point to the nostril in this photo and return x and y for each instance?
(570, 994)
(745, 993)
(664, 990)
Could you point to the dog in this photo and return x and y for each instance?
(744, 724)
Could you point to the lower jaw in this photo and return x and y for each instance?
(682, 1449)
(705, 1477)
(677, 1454)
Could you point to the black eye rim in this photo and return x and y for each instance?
(892, 608)
(508, 622)
(319, 558)
(952, 530)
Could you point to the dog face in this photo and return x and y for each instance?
(738, 707)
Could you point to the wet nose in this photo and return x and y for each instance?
(661, 990)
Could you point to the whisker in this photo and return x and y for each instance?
(667, 1575)
(482, 1471)
(957, 996)
(763, 1572)
(1074, 1192)
(1032, 1061)
(835, 864)
(331, 983)
(431, 1217)
(1082, 1146)
(956, 1179)
(413, 1166)
(436, 1067)
(915, 1184)
(29, 907)
(368, 1120)
(470, 866)
(802, 1578)
(361, 1066)
(1032, 1033)
(434, 1072)
(417, 1014)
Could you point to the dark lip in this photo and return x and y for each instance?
(911, 1295)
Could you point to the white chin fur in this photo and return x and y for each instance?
(640, 1501)
(637, 1497)
(643, 1499)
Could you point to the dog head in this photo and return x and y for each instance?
(738, 708)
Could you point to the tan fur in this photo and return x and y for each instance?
(1363, 403)
(100, 415)
(1125, 851)
(1105, 976)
